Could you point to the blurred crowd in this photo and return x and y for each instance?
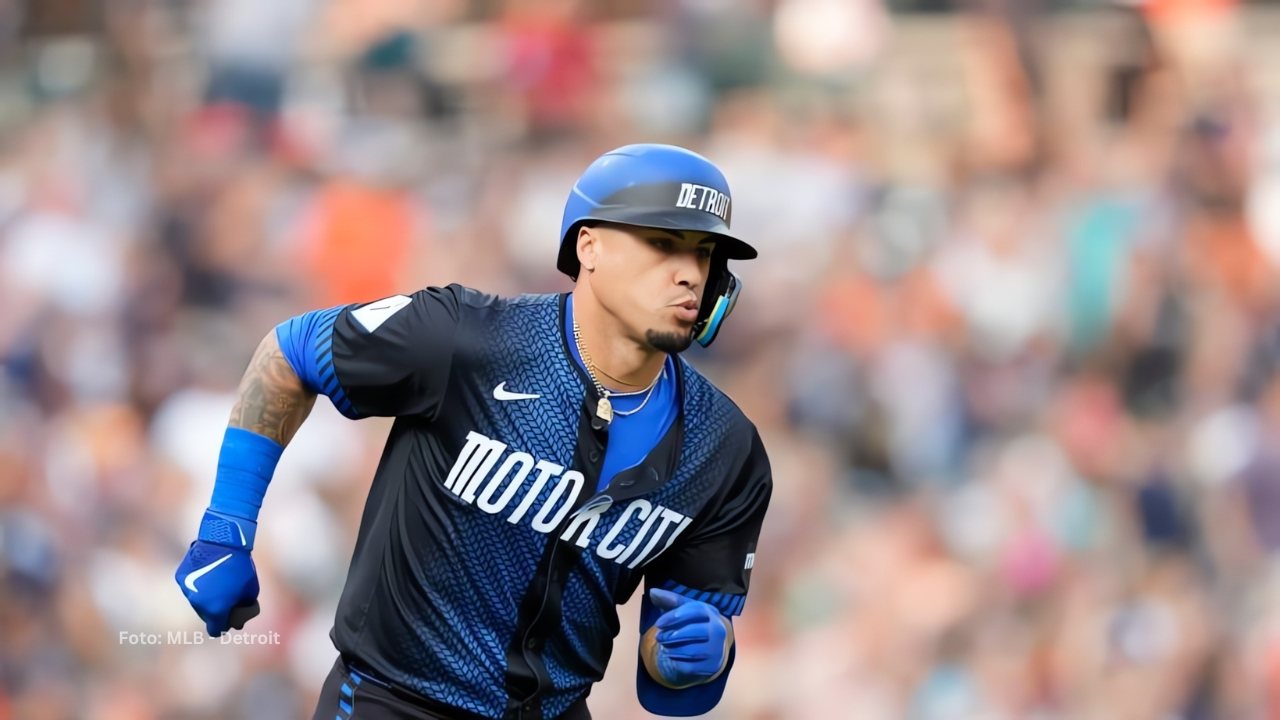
(1012, 340)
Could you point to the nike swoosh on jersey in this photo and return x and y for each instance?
(194, 575)
(502, 393)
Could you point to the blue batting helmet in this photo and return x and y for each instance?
(667, 187)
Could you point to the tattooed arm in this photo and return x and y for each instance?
(271, 401)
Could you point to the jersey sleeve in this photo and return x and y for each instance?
(714, 566)
(386, 358)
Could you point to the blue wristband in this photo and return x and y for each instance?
(245, 466)
(227, 530)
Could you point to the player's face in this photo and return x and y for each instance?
(652, 281)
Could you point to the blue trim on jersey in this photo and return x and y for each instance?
(306, 341)
(347, 696)
(632, 437)
(729, 605)
(662, 700)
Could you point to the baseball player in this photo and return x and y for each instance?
(549, 452)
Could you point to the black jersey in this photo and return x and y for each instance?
(487, 567)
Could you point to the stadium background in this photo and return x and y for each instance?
(1012, 340)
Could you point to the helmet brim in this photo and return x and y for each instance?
(665, 218)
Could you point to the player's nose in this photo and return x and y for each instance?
(688, 269)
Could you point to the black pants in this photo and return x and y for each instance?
(349, 695)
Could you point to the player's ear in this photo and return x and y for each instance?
(588, 247)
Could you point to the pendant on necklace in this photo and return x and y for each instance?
(604, 409)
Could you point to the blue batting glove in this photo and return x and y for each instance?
(692, 639)
(217, 575)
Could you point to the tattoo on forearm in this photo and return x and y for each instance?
(272, 401)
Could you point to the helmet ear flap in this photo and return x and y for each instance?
(718, 300)
(567, 259)
(719, 267)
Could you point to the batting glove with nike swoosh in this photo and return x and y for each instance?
(218, 576)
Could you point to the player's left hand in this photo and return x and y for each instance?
(693, 639)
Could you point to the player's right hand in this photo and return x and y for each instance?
(220, 580)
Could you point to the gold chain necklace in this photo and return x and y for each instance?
(604, 408)
(620, 382)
